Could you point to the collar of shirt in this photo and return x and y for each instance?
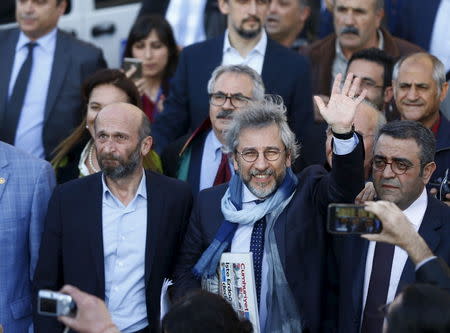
(416, 210)
(248, 197)
(435, 127)
(47, 43)
(260, 47)
(340, 53)
(110, 199)
(213, 145)
(84, 171)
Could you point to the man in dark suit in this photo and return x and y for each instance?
(198, 158)
(245, 42)
(284, 232)
(370, 274)
(214, 22)
(115, 234)
(43, 69)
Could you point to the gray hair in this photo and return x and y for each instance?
(258, 85)
(437, 65)
(408, 129)
(261, 115)
(144, 128)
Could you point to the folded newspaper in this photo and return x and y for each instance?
(235, 281)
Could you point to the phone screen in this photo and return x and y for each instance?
(352, 219)
(128, 63)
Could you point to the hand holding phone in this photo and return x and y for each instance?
(128, 64)
(352, 219)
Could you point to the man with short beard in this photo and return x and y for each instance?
(198, 157)
(268, 210)
(245, 42)
(115, 234)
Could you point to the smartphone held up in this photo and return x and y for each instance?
(129, 63)
(352, 219)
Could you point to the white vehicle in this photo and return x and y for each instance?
(104, 23)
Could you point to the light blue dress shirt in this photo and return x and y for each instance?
(31, 121)
(124, 242)
(212, 155)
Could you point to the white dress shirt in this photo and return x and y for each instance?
(254, 59)
(124, 243)
(31, 122)
(414, 213)
(440, 43)
(211, 158)
(186, 19)
(243, 234)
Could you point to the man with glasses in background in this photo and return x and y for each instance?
(403, 162)
(198, 158)
(268, 210)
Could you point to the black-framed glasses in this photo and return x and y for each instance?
(369, 83)
(251, 155)
(236, 100)
(399, 167)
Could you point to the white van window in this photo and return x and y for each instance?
(112, 3)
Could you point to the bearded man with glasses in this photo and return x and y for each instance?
(416, 229)
(268, 210)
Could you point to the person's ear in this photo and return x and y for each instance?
(146, 145)
(427, 171)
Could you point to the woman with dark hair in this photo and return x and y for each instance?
(76, 156)
(151, 40)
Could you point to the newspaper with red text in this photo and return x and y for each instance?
(235, 281)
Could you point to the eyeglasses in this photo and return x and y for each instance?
(369, 83)
(399, 167)
(252, 155)
(236, 100)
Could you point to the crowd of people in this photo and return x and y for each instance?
(238, 123)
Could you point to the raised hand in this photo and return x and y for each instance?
(341, 108)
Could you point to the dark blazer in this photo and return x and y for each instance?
(284, 73)
(442, 157)
(435, 272)
(351, 253)
(214, 21)
(72, 243)
(73, 62)
(416, 21)
(300, 233)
